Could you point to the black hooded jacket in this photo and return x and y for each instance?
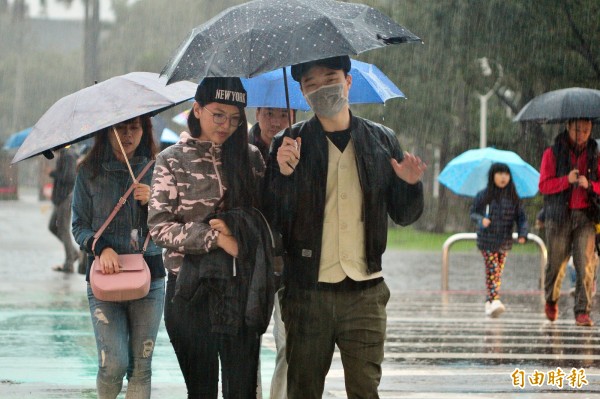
(240, 291)
(296, 203)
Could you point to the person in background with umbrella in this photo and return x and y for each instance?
(125, 331)
(269, 122)
(568, 176)
(62, 194)
(333, 184)
(495, 210)
(212, 169)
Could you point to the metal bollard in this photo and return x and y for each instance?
(473, 236)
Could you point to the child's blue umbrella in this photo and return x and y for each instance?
(16, 139)
(467, 174)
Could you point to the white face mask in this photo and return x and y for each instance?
(327, 101)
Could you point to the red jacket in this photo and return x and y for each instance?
(552, 184)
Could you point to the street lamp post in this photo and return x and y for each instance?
(486, 71)
(483, 101)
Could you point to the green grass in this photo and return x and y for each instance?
(408, 238)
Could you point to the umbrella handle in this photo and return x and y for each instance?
(124, 155)
(287, 104)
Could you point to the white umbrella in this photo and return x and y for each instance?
(77, 116)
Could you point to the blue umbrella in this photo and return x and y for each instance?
(467, 174)
(181, 118)
(369, 86)
(168, 136)
(16, 139)
(268, 90)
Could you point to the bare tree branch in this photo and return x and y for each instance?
(582, 46)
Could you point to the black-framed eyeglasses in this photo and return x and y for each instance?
(220, 119)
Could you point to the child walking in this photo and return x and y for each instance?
(495, 210)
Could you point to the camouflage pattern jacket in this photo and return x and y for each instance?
(187, 184)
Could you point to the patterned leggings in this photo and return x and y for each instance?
(494, 264)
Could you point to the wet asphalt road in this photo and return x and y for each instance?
(439, 344)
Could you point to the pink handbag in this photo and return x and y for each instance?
(133, 280)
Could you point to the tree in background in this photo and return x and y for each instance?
(147, 33)
(541, 45)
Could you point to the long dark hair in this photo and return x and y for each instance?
(495, 192)
(95, 156)
(242, 188)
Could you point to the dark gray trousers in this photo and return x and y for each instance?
(318, 320)
(60, 226)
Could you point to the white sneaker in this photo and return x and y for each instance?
(494, 309)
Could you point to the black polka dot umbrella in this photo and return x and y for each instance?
(264, 35)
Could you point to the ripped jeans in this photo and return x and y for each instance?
(125, 336)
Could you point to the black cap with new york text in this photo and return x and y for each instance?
(221, 90)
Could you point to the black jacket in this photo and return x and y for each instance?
(254, 138)
(503, 213)
(296, 203)
(238, 292)
(64, 175)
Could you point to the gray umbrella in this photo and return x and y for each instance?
(561, 105)
(264, 35)
(77, 116)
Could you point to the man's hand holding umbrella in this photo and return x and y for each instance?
(410, 170)
(288, 155)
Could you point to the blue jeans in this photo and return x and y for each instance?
(125, 336)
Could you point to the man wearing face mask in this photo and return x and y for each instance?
(333, 184)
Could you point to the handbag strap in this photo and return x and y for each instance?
(118, 207)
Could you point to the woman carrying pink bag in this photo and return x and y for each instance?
(125, 330)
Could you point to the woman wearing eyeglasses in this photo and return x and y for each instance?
(211, 170)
